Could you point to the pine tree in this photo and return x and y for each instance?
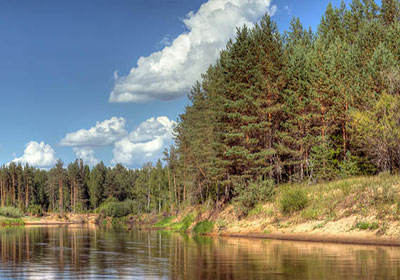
(390, 11)
(96, 184)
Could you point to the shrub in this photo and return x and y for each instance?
(293, 200)
(12, 222)
(203, 227)
(367, 225)
(184, 224)
(36, 210)
(247, 197)
(11, 212)
(165, 222)
(349, 166)
(116, 209)
(311, 213)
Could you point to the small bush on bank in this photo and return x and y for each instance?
(293, 200)
(35, 210)
(184, 224)
(116, 209)
(165, 222)
(367, 226)
(203, 227)
(11, 212)
(248, 196)
(12, 222)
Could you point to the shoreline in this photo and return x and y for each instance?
(315, 238)
(333, 238)
(52, 223)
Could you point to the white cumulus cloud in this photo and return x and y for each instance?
(145, 143)
(87, 155)
(171, 72)
(37, 154)
(104, 133)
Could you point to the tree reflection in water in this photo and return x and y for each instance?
(92, 252)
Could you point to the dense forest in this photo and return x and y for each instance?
(275, 108)
(77, 188)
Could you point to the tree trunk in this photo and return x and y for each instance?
(176, 192)
(27, 193)
(75, 191)
(72, 195)
(60, 184)
(13, 190)
(2, 193)
(170, 191)
(19, 193)
(344, 131)
(159, 198)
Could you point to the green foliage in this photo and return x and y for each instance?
(311, 213)
(11, 212)
(378, 132)
(164, 222)
(12, 222)
(349, 166)
(96, 184)
(183, 225)
(116, 209)
(322, 161)
(318, 226)
(35, 210)
(367, 226)
(203, 227)
(293, 200)
(248, 197)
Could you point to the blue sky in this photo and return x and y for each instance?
(66, 65)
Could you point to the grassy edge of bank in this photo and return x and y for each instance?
(360, 210)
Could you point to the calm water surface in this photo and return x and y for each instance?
(99, 253)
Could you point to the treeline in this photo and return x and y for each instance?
(77, 188)
(298, 106)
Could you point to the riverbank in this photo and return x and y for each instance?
(51, 219)
(362, 210)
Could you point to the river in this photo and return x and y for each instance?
(83, 252)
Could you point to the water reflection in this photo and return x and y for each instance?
(82, 253)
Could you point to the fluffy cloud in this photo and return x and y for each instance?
(144, 143)
(87, 155)
(170, 73)
(37, 154)
(102, 134)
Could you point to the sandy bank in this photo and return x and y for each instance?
(320, 238)
(55, 219)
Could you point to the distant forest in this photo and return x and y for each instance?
(275, 108)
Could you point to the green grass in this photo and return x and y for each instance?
(203, 227)
(183, 225)
(367, 225)
(256, 210)
(165, 222)
(11, 212)
(311, 213)
(293, 200)
(342, 198)
(320, 225)
(11, 222)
